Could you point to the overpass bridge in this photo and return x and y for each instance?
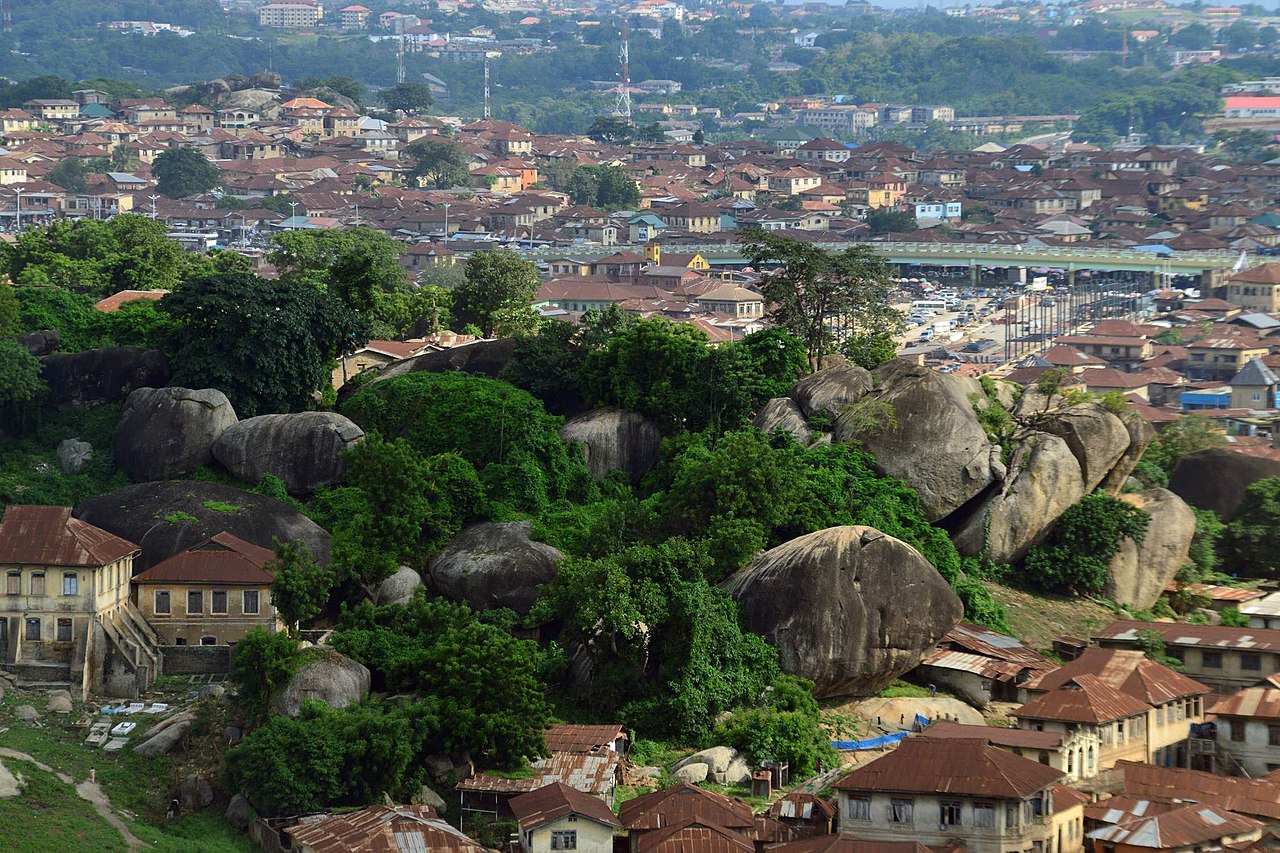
(1211, 267)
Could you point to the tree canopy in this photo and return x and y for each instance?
(182, 172)
(497, 293)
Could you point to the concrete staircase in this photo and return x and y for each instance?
(136, 640)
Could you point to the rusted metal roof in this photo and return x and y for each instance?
(1217, 593)
(801, 806)
(693, 836)
(996, 735)
(583, 739)
(1125, 807)
(1185, 826)
(591, 774)
(383, 829)
(49, 536)
(1129, 671)
(1261, 703)
(556, 800)
(972, 648)
(1177, 634)
(223, 558)
(683, 802)
(926, 765)
(1258, 798)
(1065, 798)
(1083, 699)
(847, 844)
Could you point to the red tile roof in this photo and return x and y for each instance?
(49, 536)
(927, 765)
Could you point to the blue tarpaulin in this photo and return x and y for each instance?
(870, 743)
(922, 721)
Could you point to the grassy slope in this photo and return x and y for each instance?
(48, 813)
(1037, 619)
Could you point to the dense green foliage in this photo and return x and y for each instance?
(438, 163)
(1251, 537)
(182, 172)
(785, 729)
(299, 587)
(262, 664)
(1074, 558)
(505, 433)
(496, 294)
(1188, 434)
(605, 187)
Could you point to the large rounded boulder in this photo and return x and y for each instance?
(1138, 574)
(97, 376)
(848, 608)
(166, 518)
(494, 564)
(1044, 480)
(334, 679)
(1141, 434)
(303, 449)
(164, 432)
(782, 414)
(829, 391)
(1217, 477)
(1097, 438)
(614, 439)
(926, 433)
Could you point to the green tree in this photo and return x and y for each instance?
(261, 665)
(1075, 556)
(267, 344)
(1190, 433)
(70, 173)
(870, 350)
(498, 293)
(299, 586)
(182, 172)
(439, 163)
(780, 356)
(606, 187)
(407, 97)
(610, 129)
(10, 311)
(1248, 543)
(20, 384)
(895, 221)
(811, 291)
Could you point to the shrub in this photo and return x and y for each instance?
(1075, 556)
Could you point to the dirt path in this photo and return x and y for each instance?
(90, 791)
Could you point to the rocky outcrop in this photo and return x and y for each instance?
(848, 608)
(721, 764)
(781, 414)
(73, 455)
(164, 432)
(303, 449)
(494, 565)
(194, 793)
(1043, 481)
(1141, 434)
(1138, 574)
(485, 358)
(614, 439)
(400, 587)
(40, 343)
(97, 376)
(1097, 438)
(59, 702)
(1217, 477)
(335, 679)
(165, 518)
(239, 813)
(928, 436)
(164, 737)
(831, 389)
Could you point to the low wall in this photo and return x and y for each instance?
(195, 660)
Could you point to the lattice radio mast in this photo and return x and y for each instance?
(486, 88)
(624, 88)
(6, 15)
(400, 58)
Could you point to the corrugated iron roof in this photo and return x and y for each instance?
(49, 536)
(1065, 798)
(693, 836)
(556, 800)
(583, 739)
(1083, 699)
(222, 558)
(1184, 826)
(1129, 671)
(996, 735)
(986, 667)
(847, 844)
(1256, 702)
(591, 774)
(1125, 807)
(1178, 634)
(1259, 798)
(383, 829)
(926, 765)
(801, 806)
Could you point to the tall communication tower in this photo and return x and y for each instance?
(623, 108)
(486, 88)
(6, 15)
(400, 58)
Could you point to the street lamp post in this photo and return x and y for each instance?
(293, 216)
(18, 215)
(153, 205)
(446, 223)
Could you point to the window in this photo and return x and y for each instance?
(64, 631)
(949, 813)
(162, 601)
(1255, 397)
(195, 601)
(37, 583)
(1251, 661)
(1237, 731)
(70, 583)
(902, 812)
(218, 602)
(250, 601)
(564, 839)
(984, 815)
(1011, 815)
(1211, 660)
(1273, 735)
(33, 629)
(179, 641)
(208, 641)
(1177, 654)
(13, 583)
(859, 808)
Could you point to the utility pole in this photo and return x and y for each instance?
(153, 205)
(486, 88)
(18, 221)
(293, 216)
(446, 223)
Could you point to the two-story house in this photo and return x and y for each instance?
(1248, 730)
(557, 817)
(1087, 703)
(1217, 655)
(211, 594)
(1220, 357)
(963, 793)
(1257, 288)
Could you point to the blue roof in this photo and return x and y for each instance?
(96, 111)
(1155, 247)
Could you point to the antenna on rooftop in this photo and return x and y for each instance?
(623, 108)
(486, 88)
